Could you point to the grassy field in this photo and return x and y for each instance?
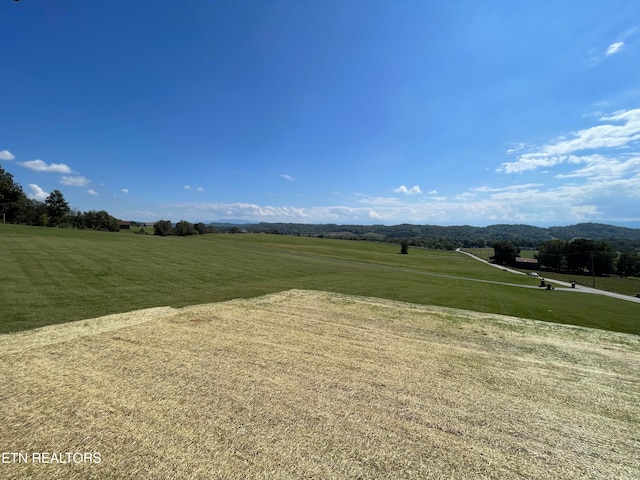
(626, 286)
(304, 384)
(51, 276)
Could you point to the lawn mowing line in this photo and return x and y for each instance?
(402, 269)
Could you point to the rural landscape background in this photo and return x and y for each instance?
(291, 350)
(297, 239)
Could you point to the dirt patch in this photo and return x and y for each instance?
(306, 384)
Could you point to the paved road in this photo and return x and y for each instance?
(566, 285)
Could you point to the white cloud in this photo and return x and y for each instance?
(599, 166)
(36, 193)
(92, 192)
(140, 214)
(614, 48)
(408, 191)
(40, 166)
(509, 188)
(200, 189)
(287, 177)
(74, 181)
(594, 198)
(125, 190)
(608, 136)
(379, 200)
(517, 148)
(433, 192)
(187, 187)
(6, 155)
(375, 215)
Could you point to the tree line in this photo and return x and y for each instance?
(448, 237)
(183, 228)
(578, 256)
(17, 207)
(581, 255)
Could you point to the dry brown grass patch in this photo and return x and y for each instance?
(316, 385)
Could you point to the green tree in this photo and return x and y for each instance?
(101, 220)
(604, 257)
(184, 228)
(35, 212)
(404, 247)
(553, 254)
(12, 199)
(628, 265)
(579, 255)
(57, 208)
(505, 252)
(162, 228)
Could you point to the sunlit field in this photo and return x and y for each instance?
(304, 384)
(52, 276)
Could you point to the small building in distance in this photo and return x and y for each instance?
(125, 224)
(527, 263)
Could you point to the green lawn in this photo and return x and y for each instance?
(51, 276)
(626, 286)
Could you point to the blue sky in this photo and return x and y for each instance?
(363, 112)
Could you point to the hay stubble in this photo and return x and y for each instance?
(305, 384)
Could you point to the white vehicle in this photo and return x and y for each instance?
(533, 274)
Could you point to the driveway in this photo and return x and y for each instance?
(565, 286)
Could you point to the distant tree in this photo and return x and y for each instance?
(505, 252)
(604, 256)
(404, 247)
(628, 265)
(35, 212)
(57, 209)
(201, 228)
(12, 199)
(184, 228)
(77, 219)
(553, 254)
(579, 254)
(162, 228)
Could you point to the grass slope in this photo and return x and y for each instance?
(318, 385)
(626, 286)
(52, 276)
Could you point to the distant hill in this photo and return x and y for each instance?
(523, 235)
(595, 231)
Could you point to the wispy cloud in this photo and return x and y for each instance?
(125, 190)
(40, 166)
(37, 193)
(516, 148)
(287, 177)
(592, 197)
(608, 136)
(92, 192)
(74, 181)
(200, 189)
(187, 187)
(603, 167)
(408, 191)
(6, 155)
(614, 48)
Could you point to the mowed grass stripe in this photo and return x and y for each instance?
(53, 276)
